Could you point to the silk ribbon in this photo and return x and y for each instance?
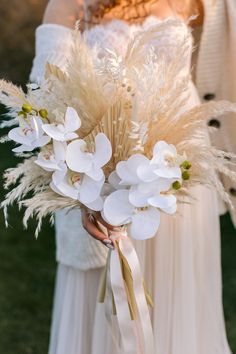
(124, 296)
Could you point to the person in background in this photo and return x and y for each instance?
(182, 264)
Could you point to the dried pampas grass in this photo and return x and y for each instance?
(45, 203)
(136, 100)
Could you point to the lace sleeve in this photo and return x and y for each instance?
(53, 44)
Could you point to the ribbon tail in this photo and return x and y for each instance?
(128, 337)
(128, 251)
(124, 294)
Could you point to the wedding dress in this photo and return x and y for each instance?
(181, 264)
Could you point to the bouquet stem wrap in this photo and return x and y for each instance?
(124, 294)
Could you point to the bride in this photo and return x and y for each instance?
(182, 264)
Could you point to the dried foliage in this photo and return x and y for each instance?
(135, 100)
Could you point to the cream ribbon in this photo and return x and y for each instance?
(136, 335)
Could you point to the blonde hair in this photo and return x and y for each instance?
(132, 10)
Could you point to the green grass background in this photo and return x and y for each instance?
(27, 271)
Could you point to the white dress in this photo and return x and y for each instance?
(181, 264)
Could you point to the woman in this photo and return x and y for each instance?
(182, 264)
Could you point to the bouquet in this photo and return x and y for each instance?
(114, 135)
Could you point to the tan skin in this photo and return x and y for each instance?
(66, 13)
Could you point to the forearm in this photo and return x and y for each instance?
(62, 12)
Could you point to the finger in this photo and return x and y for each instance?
(94, 231)
(103, 222)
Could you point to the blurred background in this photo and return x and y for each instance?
(27, 265)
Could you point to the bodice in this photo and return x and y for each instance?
(53, 42)
(116, 35)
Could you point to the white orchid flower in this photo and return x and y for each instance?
(29, 134)
(166, 161)
(138, 168)
(154, 194)
(54, 160)
(129, 171)
(89, 160)
(66, 131)
(139, 206)
(78, 187)
(143, 222)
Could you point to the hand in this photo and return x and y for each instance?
(97, 227)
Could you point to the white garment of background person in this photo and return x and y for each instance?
(181, 264)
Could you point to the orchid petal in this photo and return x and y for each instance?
(162, 201)
(97, 205)
(127, 170)
(70, 136)
(158, 160)
(90, 189)
(117, 209)
(148, 188)
(59, 149)
(155, 187)
(55, 189)
(16, 135)
(36, 125)
(76, 159)
(171, 209)
(145, 224)
(95, 174)
(65, 188)
(103, 150)
(53, 131)
(168, 172)
(72, 120)
(47, 165)
(23, 148)
(145, 173)
(161, 146)
(138, 198)
(59, 175)
(43, 140)
(164, 184)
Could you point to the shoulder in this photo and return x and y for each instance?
(63, 12)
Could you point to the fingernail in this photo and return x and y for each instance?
(108, 244)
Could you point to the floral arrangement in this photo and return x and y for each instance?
(113, 135)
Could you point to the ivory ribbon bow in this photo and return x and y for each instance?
(122, 290)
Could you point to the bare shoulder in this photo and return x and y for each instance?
(63, 12)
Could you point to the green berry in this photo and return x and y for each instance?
(185, 175)
(43, 113)
(186, 165)
(176, 185)
(21, 113)
(26, 108)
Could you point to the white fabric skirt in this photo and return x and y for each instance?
(182, 268)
